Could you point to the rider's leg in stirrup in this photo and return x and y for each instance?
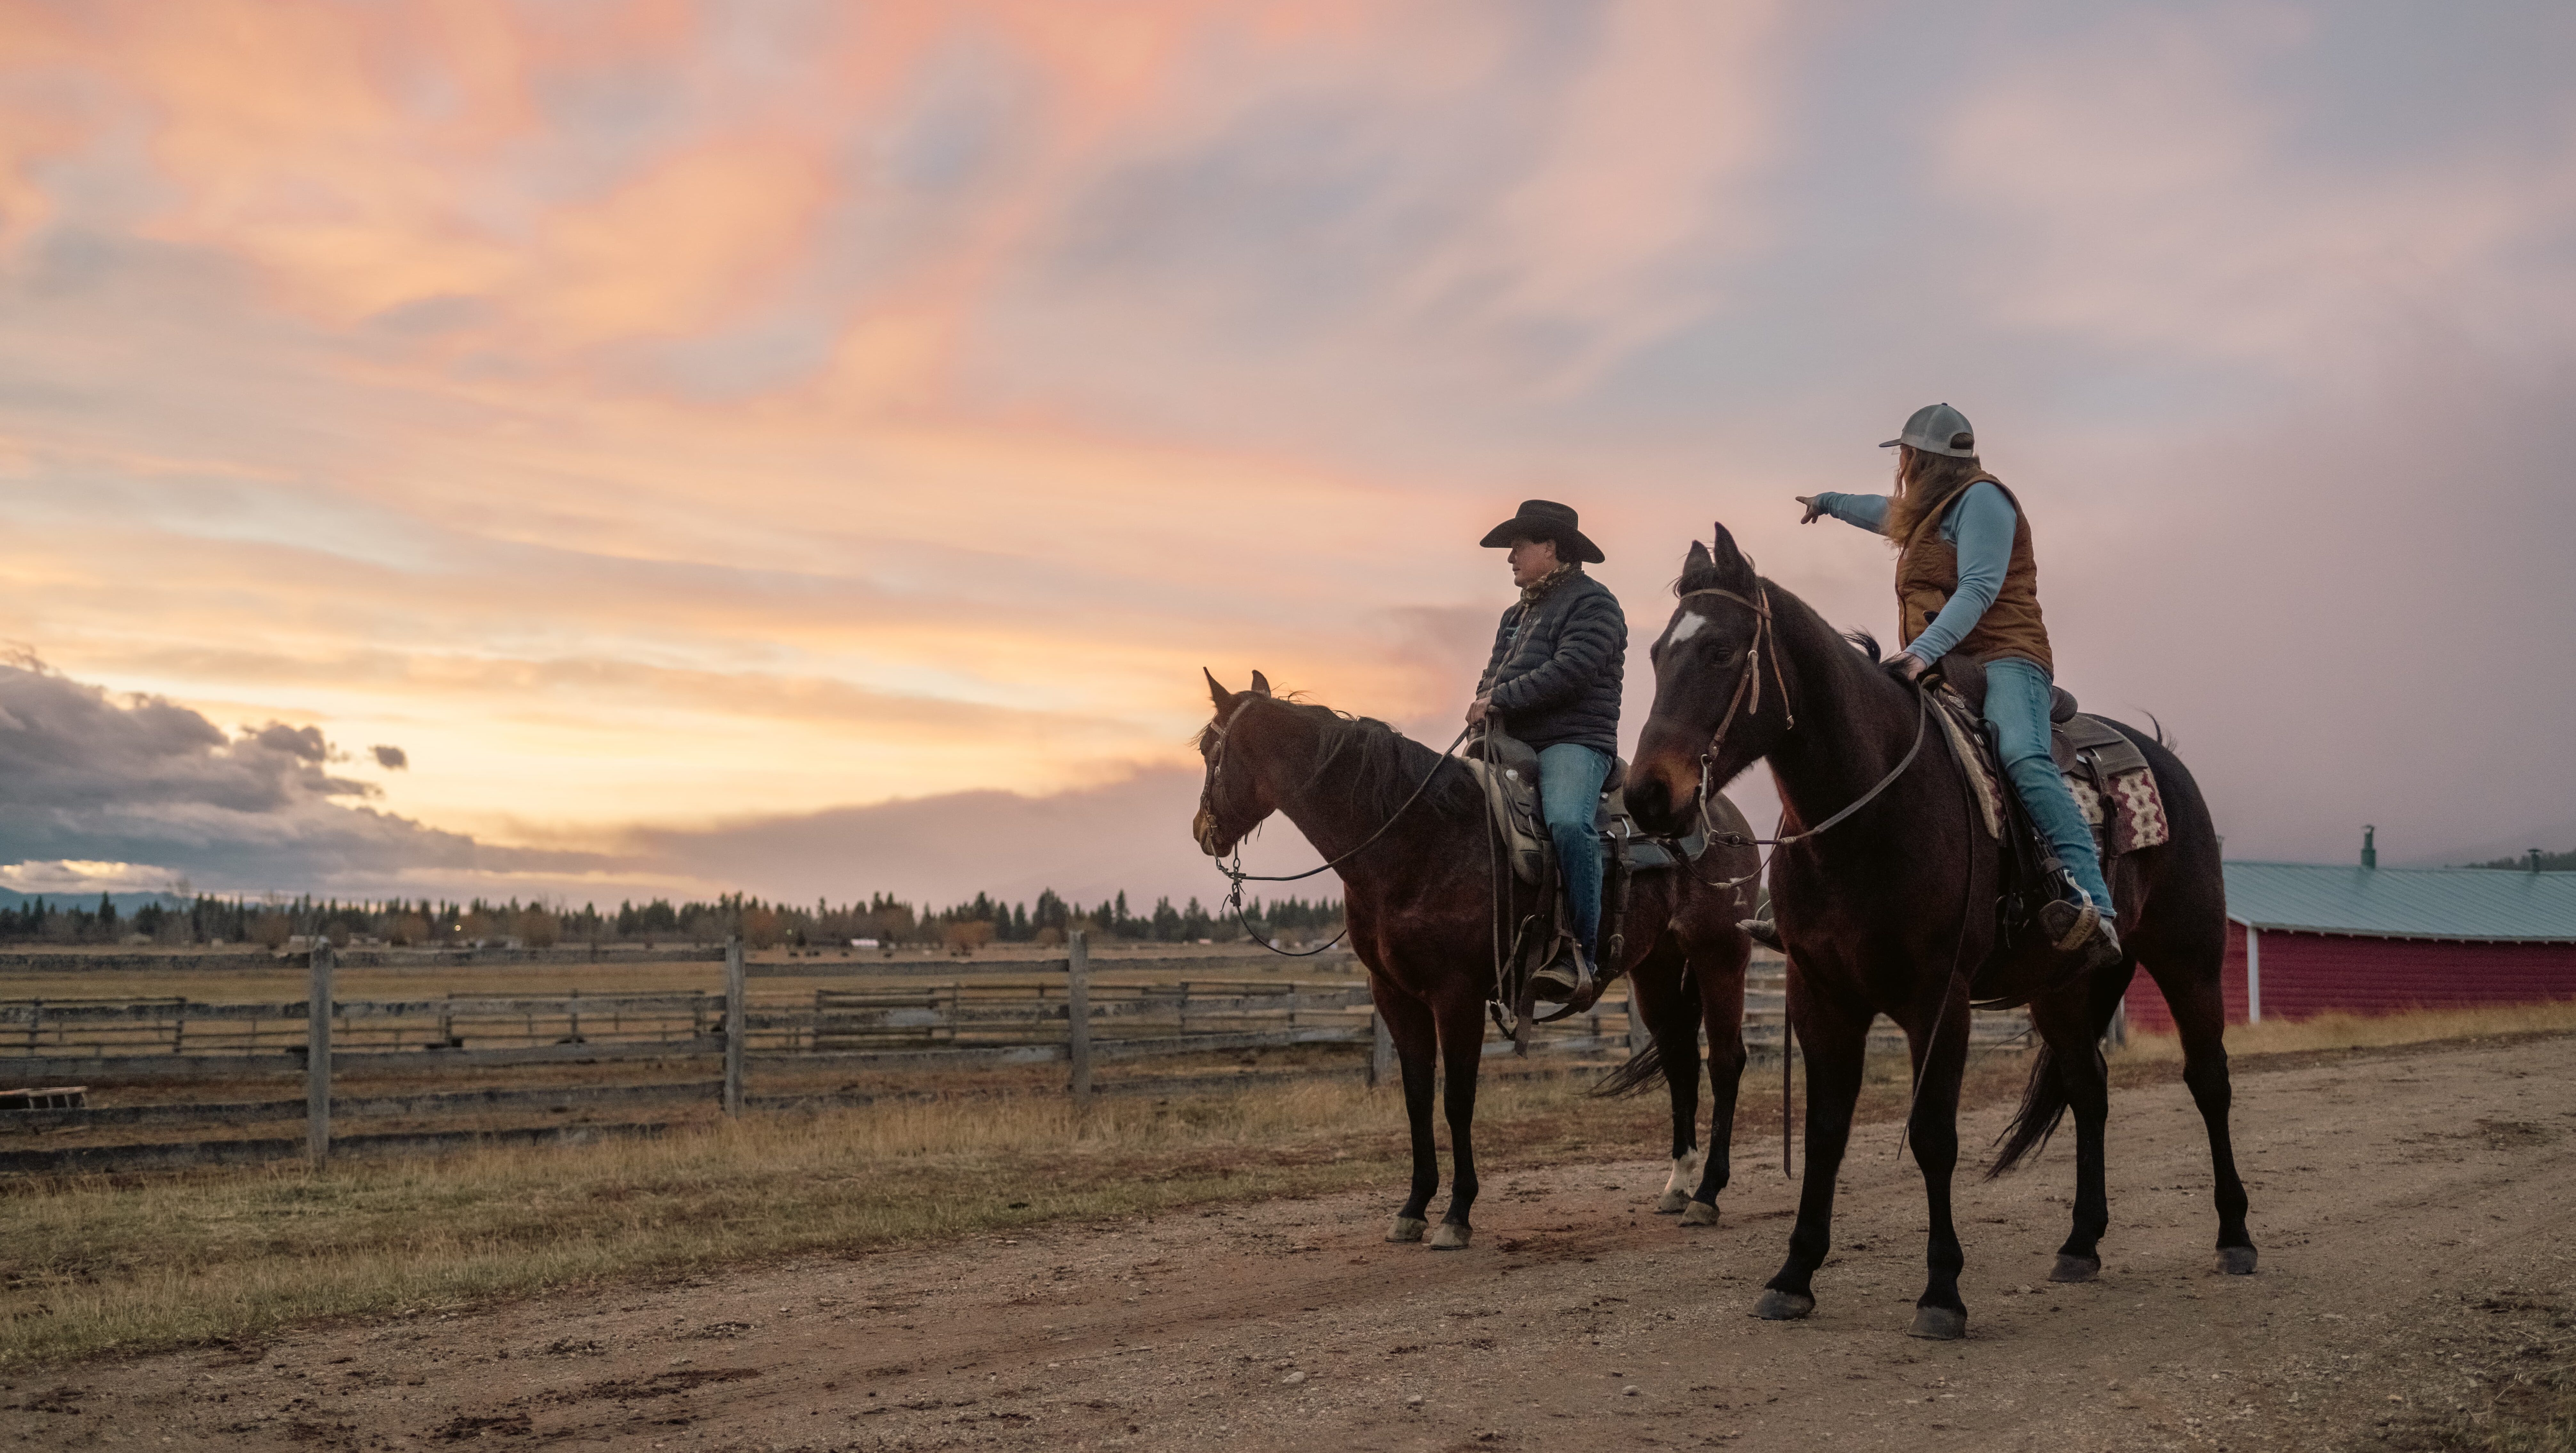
(1569, 795)
(2080, 924)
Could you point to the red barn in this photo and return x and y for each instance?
(2303, 938)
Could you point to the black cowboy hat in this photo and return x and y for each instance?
(1544, 519)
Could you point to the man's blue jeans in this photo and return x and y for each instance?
(1569, 797)
(2017, 705)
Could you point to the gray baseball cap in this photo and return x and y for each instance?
(1938, 429)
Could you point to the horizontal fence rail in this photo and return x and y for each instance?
(229, 1038)
(1025, 1018)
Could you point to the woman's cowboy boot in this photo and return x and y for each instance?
(1763, 931)
(2081, 930)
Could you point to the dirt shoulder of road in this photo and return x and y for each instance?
(2409, 1203)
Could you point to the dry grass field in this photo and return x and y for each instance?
(136, 1263)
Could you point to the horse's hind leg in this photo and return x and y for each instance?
(1410, 1025)
(1462, 1046)
(1719, 969)
(1833, 1039)
(1940, 1060)
(1656, 992)
(2200, 1017)
(2067, 1022)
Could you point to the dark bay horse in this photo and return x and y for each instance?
(1891, 910)
(1420, 903)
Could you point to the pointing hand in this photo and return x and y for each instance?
(1815, 511)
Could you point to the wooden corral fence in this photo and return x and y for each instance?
(1065, 1016)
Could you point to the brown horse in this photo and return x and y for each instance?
(1892, 909)
(1408, 832)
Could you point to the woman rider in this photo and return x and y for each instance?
(1966, 580)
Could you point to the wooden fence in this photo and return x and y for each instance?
(1065, 1016)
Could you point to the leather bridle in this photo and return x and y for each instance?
(1747, 698)
(1234, 871)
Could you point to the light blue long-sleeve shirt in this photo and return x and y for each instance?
(1980, 523)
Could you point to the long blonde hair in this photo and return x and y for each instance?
(1924, 484)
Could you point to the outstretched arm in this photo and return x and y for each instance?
(1868, 511)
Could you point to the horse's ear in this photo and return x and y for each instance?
(1223, 698)
(1260, 684)
(1697, 561)
(1733, 569)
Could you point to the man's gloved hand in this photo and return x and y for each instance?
(1477, 710)
(1815, 510)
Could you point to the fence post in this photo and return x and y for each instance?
(733, 1022)
(1381, 1050)
(1639, 1036)
(1077, 1010)
(317, 1056)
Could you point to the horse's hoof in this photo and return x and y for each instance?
(2236, 1260)
(1780, 1306)
(2075, 1268)
(1450, 1236)
(1406, 1228)
(1670, 1202)
(1938, 1324)
(1699, 1213)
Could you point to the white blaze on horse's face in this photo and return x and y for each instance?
(1687, 626)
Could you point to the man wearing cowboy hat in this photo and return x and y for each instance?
(1554, 683)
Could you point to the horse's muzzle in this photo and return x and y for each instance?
(1657, 801)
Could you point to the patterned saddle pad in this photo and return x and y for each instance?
(2114, 787)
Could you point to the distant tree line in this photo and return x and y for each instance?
(2548, 862)
(274, 922)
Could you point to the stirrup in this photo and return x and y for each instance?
(1764, 931)
(2069, 922)
(1581, 988)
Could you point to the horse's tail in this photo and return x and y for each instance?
(1645, 1066)
(2043, 1105)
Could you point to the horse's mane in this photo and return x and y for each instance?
(1374, 767)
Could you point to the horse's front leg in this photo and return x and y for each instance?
(1410, 1025)
(1940, 1061)
(1833, 1039)
(1721, 999)
(1462, 1047)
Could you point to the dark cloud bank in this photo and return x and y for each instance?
(95, 776)
(85, 775)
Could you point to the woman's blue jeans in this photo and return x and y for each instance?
(1569, 797)
(2017, 705)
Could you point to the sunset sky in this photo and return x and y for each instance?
(812, 448)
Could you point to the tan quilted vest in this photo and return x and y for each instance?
(1927, 571)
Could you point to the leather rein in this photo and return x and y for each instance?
(1748, 699)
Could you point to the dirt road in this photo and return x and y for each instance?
(2412, 1208)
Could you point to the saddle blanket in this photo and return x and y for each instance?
(2112, 784)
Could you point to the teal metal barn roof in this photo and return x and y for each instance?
(2485, 904)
